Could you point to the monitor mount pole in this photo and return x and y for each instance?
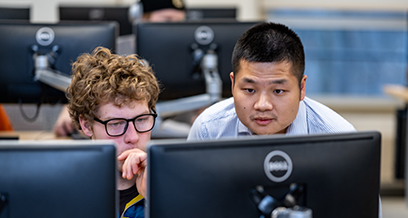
(45, 74)
(209, 68)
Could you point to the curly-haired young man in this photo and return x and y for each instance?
(113, 97)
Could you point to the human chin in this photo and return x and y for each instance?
(266, 130)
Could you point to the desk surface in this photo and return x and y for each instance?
(398, 91)
(32, 135)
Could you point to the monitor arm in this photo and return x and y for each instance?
(209, 67)
(45, 74)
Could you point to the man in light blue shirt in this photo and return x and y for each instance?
(268, 87)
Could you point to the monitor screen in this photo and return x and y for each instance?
(333, 175)
(58, 179)
(14, 13)
(171, 47)
(96, 14)
(199, 14)
(60, 44)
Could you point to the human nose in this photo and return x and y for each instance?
(131, 135)
(263, 103)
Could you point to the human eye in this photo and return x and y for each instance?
(279, 91)
(116, 123)
(249, 90)
(142, 119)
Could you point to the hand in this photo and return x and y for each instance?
(135, 163)
(63, 126)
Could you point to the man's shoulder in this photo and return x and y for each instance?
(220, 110)
(217, 121)
(318, 108)
(321, 118)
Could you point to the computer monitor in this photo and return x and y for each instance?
(58, 179)
(334, 175)
(31, 53)
(14, 13)
(175, 51)
(200, 14)
(97, 14)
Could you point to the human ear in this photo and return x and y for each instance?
(86, 126)
(303, 87)
(232, 81)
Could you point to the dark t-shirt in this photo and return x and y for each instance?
(125, 196)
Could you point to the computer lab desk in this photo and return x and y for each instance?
(31, 135)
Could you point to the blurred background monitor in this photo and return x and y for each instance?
(334, 175)
(58, 178)
(14, 13)
(60, 45)
(173, 51)
(199, 14)
(97, 14)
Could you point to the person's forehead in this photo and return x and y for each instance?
(265, 68)
(114, 109)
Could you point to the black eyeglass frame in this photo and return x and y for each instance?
(127, 123)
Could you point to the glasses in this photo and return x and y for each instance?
(118, 126)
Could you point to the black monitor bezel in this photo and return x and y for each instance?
(181, 171)
(63, 178)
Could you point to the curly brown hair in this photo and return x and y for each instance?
(103, 77)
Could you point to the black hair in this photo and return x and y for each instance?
(270, 42)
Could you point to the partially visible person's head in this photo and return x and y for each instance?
(163, 10)
(104, 78)
(268, 80)
(270, 42)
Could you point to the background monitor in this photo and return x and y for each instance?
(171, 47)
(199, 14)
(61, 43)
(336, 175)
(14, 13)
(97, 14)
(58, 179)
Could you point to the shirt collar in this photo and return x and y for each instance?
(243, 130)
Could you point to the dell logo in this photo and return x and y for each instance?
(278, 166)
(204, 35)
(45, 36)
